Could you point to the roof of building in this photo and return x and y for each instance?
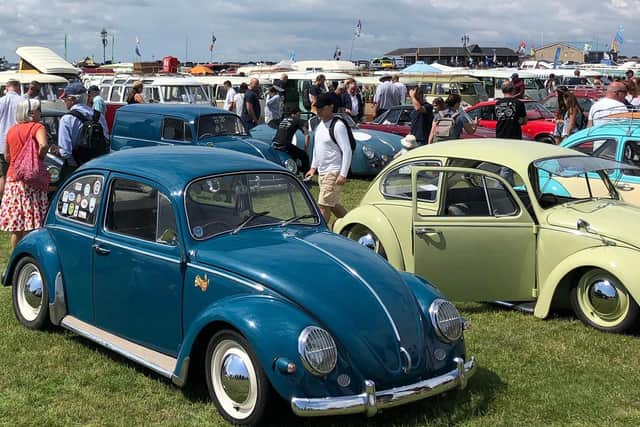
(473, 50)
(174, 166)
(558, 44)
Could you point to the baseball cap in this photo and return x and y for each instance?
(324, 100)
(93, 88)
(73, 89)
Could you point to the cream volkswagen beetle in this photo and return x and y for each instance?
(528, 224)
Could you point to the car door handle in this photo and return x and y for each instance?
(100, 250)
(624, 187)
(425, 230)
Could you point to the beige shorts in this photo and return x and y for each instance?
(329, 190)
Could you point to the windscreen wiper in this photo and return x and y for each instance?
(248, 220)
(297, 218)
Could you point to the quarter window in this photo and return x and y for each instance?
(397, 183)
(603, 148)
(138, 210)
(631, 156)
(80, 200)
(469, 194)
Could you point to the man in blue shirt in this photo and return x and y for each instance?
(69, 129)
(8, 104)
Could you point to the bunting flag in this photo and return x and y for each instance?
(619, 39)
(213, 42)
(358, 28)
(138, 47)
(337, 54)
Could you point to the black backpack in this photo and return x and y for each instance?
(352, 139)
(92, 140)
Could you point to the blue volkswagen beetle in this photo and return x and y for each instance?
(141, 125)
(156, 253)
(618, 139)
(374, 149)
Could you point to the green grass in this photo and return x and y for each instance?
(532, 373)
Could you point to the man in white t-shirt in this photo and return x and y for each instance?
(331, 159)
(613, 102)
(238, 99)
(400, 88)
(228, 100)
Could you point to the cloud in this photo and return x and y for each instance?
(250, 30)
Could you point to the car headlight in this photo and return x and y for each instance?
(368, 152)
(317, 350)
(54, 174)
(446, 320)
(291, 165)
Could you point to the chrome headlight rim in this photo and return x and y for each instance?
(434, 312)
(368, 152)
(317, 333)
(291, 166)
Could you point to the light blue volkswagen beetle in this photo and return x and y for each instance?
(374, 149)
(157, 253)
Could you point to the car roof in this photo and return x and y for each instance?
(493, 102)
(516, 154)
(175, 166)
(185, 111)
(616, 127)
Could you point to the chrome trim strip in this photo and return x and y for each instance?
(58, 309)
(138, 251)
(119, 350)
(258, 287)
(181, 379)
(70, 230)
(357, 276)
(152, 141)
(370, 401)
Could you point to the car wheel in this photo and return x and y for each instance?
(237, 383)
(30, 294)
(367, 238)
(547, 139)
(600, 300)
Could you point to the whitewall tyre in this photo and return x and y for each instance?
(30, 294)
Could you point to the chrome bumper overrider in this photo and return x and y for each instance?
(371, 401)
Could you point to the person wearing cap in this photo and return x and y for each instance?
(69, 128)
(272, 105)
(331, 159)
(510, 114)
(8, 105)
(33, 91)
(287, 129)
(408, 143)
(386, 95)
(94, 100)
(518, 86)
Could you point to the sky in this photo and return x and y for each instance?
(311, 29)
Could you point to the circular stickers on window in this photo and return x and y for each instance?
(87, 190)
(96, 187)
(84, 203)
(72, 196)
(198, 231)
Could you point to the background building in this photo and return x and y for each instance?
(457, 55)
(567, 53)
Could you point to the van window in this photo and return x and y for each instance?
(174, 94)
(116, 94)
(176, 130)
(151, 94)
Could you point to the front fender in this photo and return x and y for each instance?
(372, 218)
(270, 324)
(619, 261)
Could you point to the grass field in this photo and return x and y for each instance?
(532, 373)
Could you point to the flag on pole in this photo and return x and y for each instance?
(213, 42)
(292, 56)
(358, 28)
(619, 39)
(138, 47)
(337, 54)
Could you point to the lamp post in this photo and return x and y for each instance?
(103, 36)
(465, 40)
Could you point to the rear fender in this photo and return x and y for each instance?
(372, 218)
(619, 261)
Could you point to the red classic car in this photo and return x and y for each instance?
(398, 120)
(539, 125)
(586, 98)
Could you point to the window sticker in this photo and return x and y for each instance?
(97, 185)
(76, 201)
(84, 203)
(77, 186)
(87, 190)
(92, 204)
(65, 196)
(72, 196)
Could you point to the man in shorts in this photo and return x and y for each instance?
(331, 159)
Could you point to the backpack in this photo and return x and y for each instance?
(352, 139)
(306, 102)
(92, 140)
(445, 127)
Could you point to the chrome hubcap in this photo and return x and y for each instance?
(30, 292)
(368, 241)
(235, 379)
(604, 297)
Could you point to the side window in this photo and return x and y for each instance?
(176, 130)
(397, 183)
(488, 113)
(631, 155)
(139, 210)
(552, 103)
(474, 114)
(80, 199)
(603, 148)
(104, 92)
(116, 94)
(392, 117)
(476, 195)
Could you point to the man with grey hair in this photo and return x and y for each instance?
(70, 126)
(8, 105)
(613, 102)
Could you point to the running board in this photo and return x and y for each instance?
(157, 362)
(527, 307)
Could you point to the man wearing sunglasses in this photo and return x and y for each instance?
(613, 102)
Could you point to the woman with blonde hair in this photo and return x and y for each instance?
(24, 205)
(135, 96)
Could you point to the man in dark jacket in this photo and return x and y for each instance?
(352, 101)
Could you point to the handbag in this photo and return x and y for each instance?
(29, 168)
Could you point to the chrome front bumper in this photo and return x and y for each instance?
(371, 401)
